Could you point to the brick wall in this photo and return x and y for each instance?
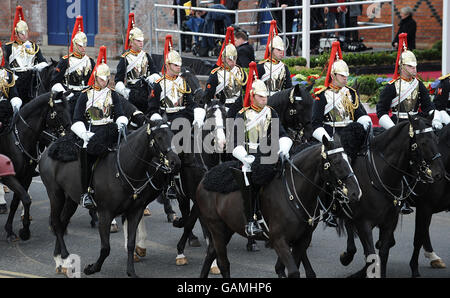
(427, 14)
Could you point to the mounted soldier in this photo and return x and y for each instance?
(23, 57)
(258, 118)
(272, 71)
(336, 105)
(134, 62)
(173, 98)
(405, 93)
(442, 99)
(74, 70)
(96, 108)
(227, 81)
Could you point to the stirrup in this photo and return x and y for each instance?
(406, 209)
(87, 201)
(253, 229)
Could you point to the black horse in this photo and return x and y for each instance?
(294, 107)
(21, 144)
(194, 85)
(430, 199)
(409, 150)
(125, 182)
(214, 130)
(288, 204)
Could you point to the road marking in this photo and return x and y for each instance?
(15, 274)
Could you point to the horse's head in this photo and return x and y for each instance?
(424, 155)
(161, 141)
(140, 94)
(215, 120)
(58, 118)
(46, 75)
(338, 172)
(294, 107)
(194, 84)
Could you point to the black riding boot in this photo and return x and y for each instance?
(252, 228)
(86, 198)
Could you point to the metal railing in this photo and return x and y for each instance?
(305, 28)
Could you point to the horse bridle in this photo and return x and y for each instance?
(18, 142)
(339, 192)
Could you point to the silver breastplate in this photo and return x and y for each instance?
(260, 128)
(231, 81)
(409, 103)
(23, 54)
(139, 69)
(338, 113)
(99, 106)
(274, 76)
(172, 92)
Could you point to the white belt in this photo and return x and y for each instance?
(173, 110)
(101, 122)
(21, 69)
(339, 123)
(76, 88)
(403, 115)
(231, 99)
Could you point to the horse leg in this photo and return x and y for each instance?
(284, 254)
(303, 245)
(68, 211)
(280, 269)
(94, 217)
(188, 227)
(347, 256)
(365, 235)
(105, 219)
(387, 238)
(57, 201)
(133, 220)
(210, 257)
(435, 260)
(20, 194)
(221, 235)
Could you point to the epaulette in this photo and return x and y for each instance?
(320, 90)
(67, 56)
(86, 90)
(215, 70)
(9, 42)
(125, 54)
(392, 81)
(263, 61)
(444, 77)
(243, 110)
(159, 80)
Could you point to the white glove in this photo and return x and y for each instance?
(16, 103)
(58, 88)
(152, 78)
(386, 121)
(445, 118)
(124, 91)
(80, 130)
(241, 154)
(319, 133)
(40, 66)
(199, 116)
(437, 124)
(121, 122)
(156, 117)
(365, 120)
(285, 146)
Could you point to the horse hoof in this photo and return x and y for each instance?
(58, 269)
(132, 275)
(3, 209)
(438, 264)
(6, 189)
(24, 234)
(12, 238)
(89, 269)
(141, 251)
(214, 270)
(147, 212)
(114, 228)
(178, 222)
(415, 274)
(194, 242)
(136, 258)
(181, 260)
(346, 258)
(93, 224)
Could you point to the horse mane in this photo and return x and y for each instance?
(34, 105)
(304, 150)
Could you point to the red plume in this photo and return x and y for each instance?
(78, 27)
(3, 56)
(130, 26)
(273, 31)
(167, 47)
(402, 46)
(252, 74)
(101, 58)
(229, 38)
(335, 50)
(18, 17)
